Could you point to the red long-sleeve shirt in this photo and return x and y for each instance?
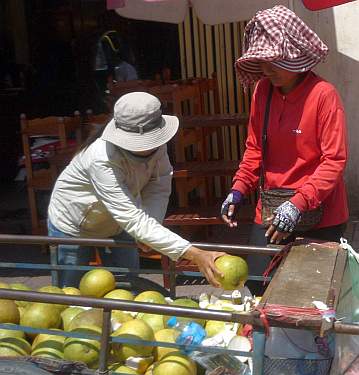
(306, 148)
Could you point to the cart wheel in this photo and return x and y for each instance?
(139, 284)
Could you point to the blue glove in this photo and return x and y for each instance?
(286, 217)
(235, 198)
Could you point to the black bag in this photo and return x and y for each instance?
(273, 198)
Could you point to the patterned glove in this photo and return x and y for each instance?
(235, 197)
(287, 217)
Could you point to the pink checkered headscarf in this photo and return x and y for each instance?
(279, 36)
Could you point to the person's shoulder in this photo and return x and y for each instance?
(322, 84)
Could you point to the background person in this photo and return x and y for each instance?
(306, 147)
(118, 186)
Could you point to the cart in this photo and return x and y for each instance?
(293, 286)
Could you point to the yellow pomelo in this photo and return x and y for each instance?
(83, 350)
(92, 317)
(149, 370)
(20, 286)
(9, 313)
(120, 294)
(11, 333)
(118, 318)
(120, 369)
(97, 283)
(164, 335)
(54, 290)
(151, 296)
(185, 302)
(16, 345)
(4, 285)
(41, 315)
(48, 352)
(155, 321)
(68, 314)
(175, 363)
(213, 327)
(71, 291)
(133, 329)
(234, 270)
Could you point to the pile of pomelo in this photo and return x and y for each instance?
(125, 358)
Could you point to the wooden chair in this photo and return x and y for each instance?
(42, 179)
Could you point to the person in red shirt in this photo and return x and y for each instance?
(306, 146)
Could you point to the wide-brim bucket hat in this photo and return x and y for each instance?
(138, 123)
(277, 35)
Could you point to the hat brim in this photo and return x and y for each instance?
(141, 142)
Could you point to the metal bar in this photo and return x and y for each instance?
(111, 304)
(346, 328)
(105, 342)
(53, 262)
(40, 240)
(259, 340)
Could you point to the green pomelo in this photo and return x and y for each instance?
(155, 321)
(41, 315)
(97, 283)
(185, 302)
(164, 335)
(120, 369)
(20, 346)
(20, 286)
(83, 350)
(11, 333)
(68, 315)
(71, 291)
(213, 327)
(151, 296)
(175, 363)
(234, 270)
(48, 353)
(9, 313)
(54, 290)
(133, 329)
(120, 294)
(92, 317)
(46, 340)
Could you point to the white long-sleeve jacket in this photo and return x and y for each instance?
(106, 189)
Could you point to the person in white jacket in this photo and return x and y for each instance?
(118, 186)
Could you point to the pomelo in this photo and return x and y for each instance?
(149, 370)
(9, 313)
(70, 290)
(68, 314)
(175, 363)
(14, 346)
(185, 302)
(164, 335)
(155, 321)
(234, 270)
(49, 346)
(122, 294)
(20, 286)
(54, 290)
(11, 333)
(121, 369)
(133, 329)
(92, 317)
(151, 296)
(83, 350)
(213, 327)
(41, 315)
(4, 285)
(97, 283)
(118, 318)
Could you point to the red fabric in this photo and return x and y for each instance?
(114, 4)
(306, 148)
(323, 4)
